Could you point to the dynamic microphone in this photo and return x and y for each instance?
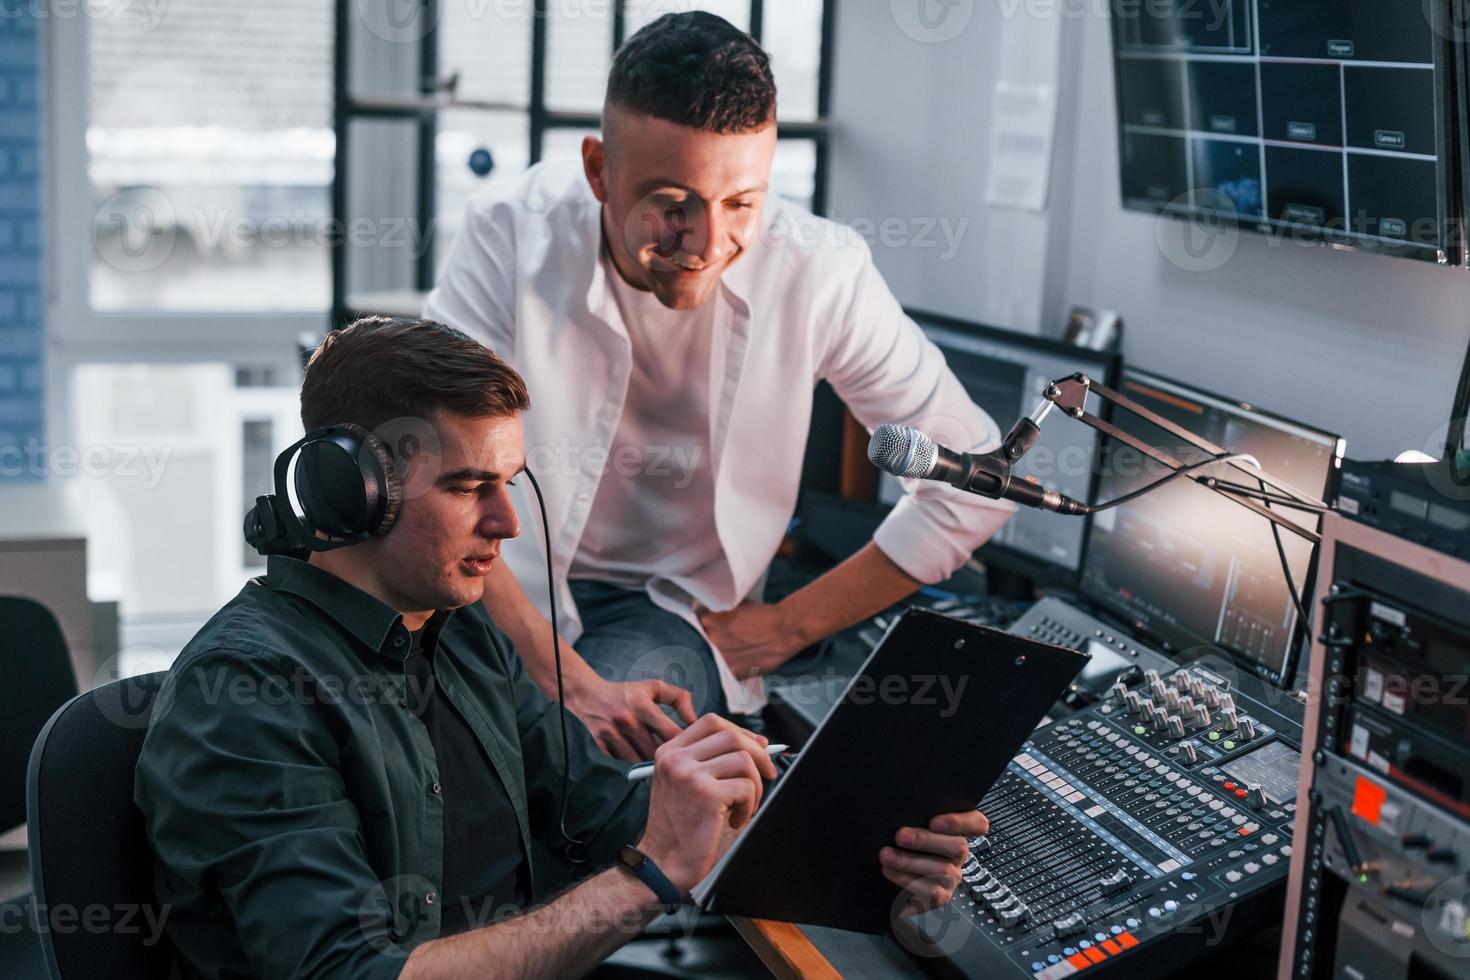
(904, 451)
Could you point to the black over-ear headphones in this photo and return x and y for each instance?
(348, 488)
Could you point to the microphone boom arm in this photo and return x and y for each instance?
(1070, 395)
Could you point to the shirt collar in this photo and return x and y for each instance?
(370, 620)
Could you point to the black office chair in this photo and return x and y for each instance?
(88, 845)
(38, 678)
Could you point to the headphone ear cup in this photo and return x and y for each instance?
(347, 483)
(390, 485)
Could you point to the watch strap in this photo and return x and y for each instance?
(643, 868)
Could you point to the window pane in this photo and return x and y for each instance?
(382, 233)
(565, 144)
(170, 456)
(793, 175)
(737, 12)
(489, 45)
(793, 36)
(462, 132)
(578, 54)
(210, 156)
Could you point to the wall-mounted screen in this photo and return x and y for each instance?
(1310, 120)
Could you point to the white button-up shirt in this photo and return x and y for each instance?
(806, 304)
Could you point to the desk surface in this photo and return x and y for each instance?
(791, 951)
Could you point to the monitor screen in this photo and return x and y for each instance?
(1187, 566)
(1005, 374)
(1308, 119)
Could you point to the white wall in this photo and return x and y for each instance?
(911, 143)
(1365, 345)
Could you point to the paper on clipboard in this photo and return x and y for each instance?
(1023, 122)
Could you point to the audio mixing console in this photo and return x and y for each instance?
(1133, 833)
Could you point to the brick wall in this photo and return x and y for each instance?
(21, 297)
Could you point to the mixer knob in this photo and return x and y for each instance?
(1150, 677)
(1146, 707)
(1189, 752)
(1156, 690)
(1201, 716)
(1247, 729)
(1186, 706)
(1227, 702)
(1119, 691)
(1212, 697)
(1180, 680)
(1255, 795)
(1135, 702)
(1197, 688)
(1176, 726)
(1171, 699)
(1160, 719)
(1229, 722)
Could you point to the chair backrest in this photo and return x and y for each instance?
(38, 678)
(91, 865)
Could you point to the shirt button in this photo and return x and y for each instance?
(398, 641)
(431, 898)
(436, 789)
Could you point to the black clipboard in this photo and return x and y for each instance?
(926, 727)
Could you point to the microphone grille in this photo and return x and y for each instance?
(901, 450)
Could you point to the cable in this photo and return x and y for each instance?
(561, 701)
(1296, 599)
(1184, 471)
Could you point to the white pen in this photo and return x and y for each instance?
(644, 770)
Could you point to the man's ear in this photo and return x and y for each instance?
(594, 164)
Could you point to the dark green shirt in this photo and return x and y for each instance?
(289, 791)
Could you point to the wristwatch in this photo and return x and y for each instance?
(647, 872)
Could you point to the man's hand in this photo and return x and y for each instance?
(706, 782)
(926, 861)
(754, 637)
(625, 719)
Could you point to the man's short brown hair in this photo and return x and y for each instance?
(695, 69)
(383, 368)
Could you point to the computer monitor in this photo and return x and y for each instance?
(1327, 120)
(1005, 373)
(1187, 567)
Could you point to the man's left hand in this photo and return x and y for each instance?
(754, 637)
(926, 861)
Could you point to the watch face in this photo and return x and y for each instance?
(632, 857)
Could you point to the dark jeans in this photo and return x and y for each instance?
(625, 637)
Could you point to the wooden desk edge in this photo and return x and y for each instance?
(784, 949)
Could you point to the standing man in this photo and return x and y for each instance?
(675, 318)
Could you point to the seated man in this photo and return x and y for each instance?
(348, 772)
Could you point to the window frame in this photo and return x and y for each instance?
(348, 108)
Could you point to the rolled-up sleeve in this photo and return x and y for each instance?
(243, 799)
(885, 370)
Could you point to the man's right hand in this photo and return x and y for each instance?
(706, 781)
(626, 719)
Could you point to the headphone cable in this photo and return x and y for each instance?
(561, 704)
